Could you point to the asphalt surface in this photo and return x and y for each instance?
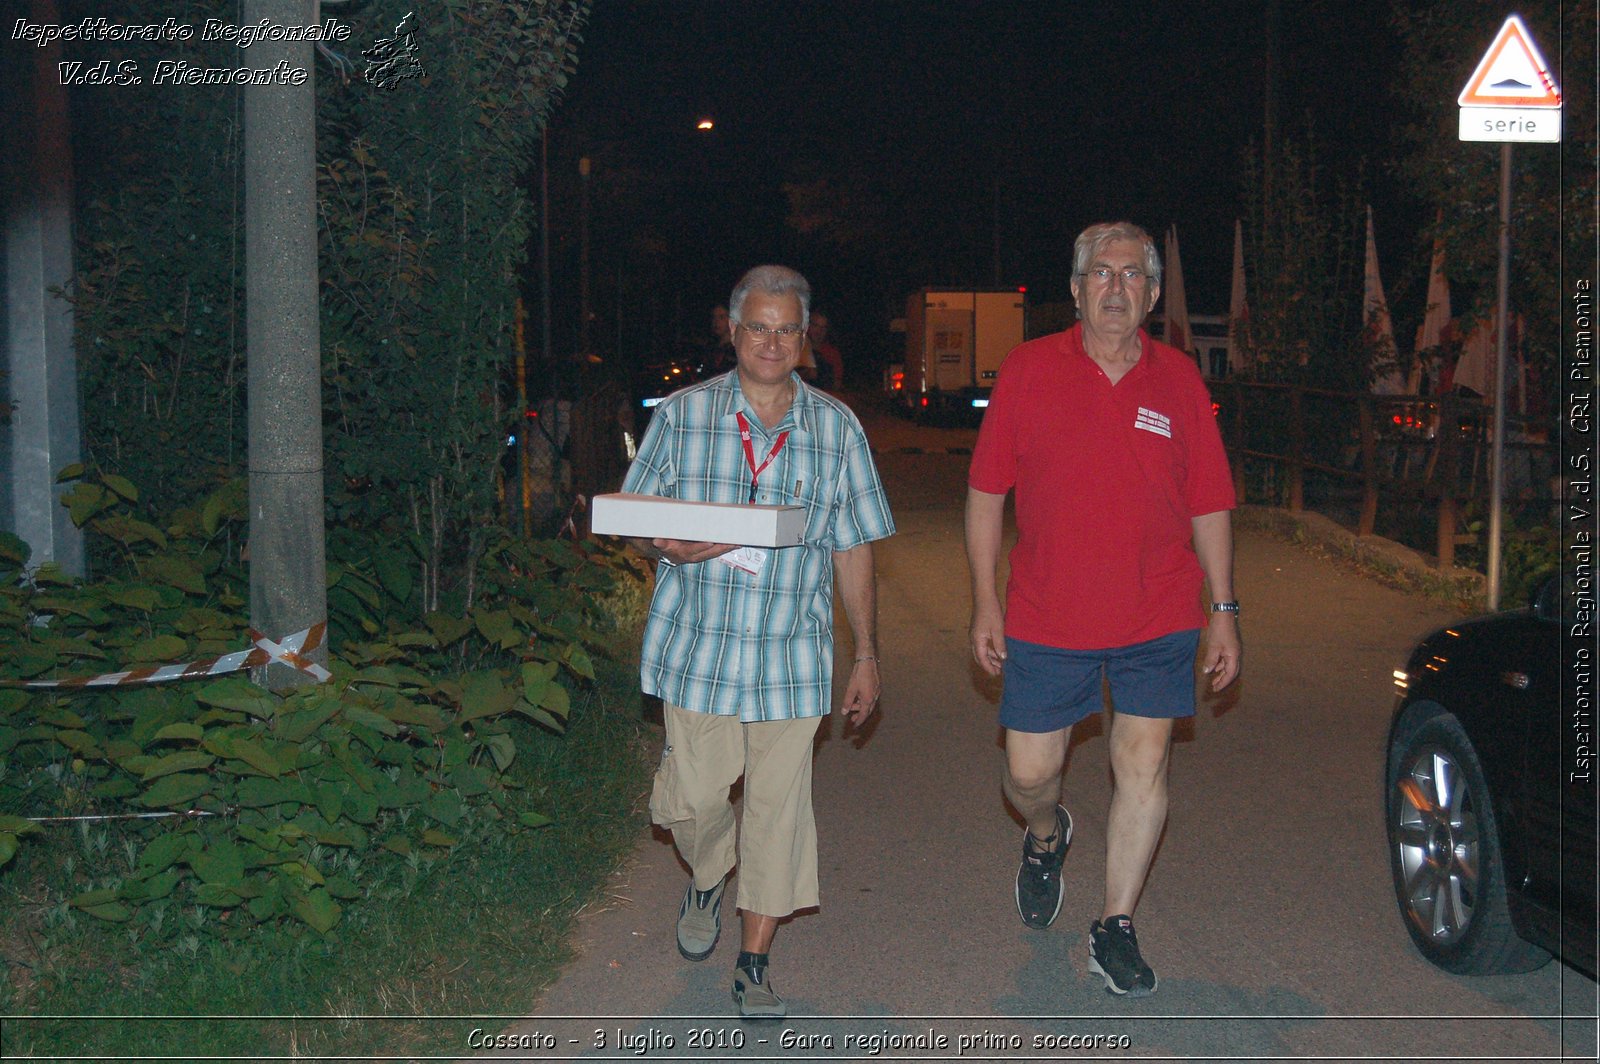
(1268, 915)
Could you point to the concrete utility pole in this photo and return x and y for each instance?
(288, 564)
(43, 434)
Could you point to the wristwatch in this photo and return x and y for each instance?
(1225, 607)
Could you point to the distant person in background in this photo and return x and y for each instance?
(830, 363)
(718, 356)
(1123, 501)
(807, 365)
(739, 643)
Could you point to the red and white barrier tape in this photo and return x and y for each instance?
(291, 651)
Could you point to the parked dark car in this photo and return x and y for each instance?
(1491, 840)
(659, 378)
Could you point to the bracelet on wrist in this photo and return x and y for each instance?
(1226, 607)
(866, 657)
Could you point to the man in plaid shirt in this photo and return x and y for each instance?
(739, 641)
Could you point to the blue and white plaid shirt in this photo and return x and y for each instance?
(718, 639)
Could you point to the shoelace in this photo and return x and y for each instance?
(1037, 856)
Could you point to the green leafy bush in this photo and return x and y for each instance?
(268, 808)
(423, 226)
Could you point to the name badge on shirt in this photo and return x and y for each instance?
(1150, 421)
(746, 559)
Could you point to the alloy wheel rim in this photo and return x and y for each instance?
(1437, 845)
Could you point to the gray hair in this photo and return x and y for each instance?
(774, 281)
(1092, 239)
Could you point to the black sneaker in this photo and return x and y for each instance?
(1039, 876)
(1114, 953)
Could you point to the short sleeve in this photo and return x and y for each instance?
(653, 470)
(994, 458)
(861, 514)
(1209, 486)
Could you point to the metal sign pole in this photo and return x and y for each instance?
(1497, 454)
(1510, 97)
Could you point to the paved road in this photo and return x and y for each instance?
(1269, 914)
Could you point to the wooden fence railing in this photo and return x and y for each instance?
(1364, 449)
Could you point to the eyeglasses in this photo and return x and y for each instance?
(1131, 277)
(784, 333)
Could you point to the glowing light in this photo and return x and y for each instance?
(705, 125)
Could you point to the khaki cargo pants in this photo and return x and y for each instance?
(776, 845)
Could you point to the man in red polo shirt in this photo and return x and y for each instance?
(1123, 501)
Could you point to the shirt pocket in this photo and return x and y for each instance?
(1160, 448)
(805, 485)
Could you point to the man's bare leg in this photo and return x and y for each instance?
(1139, 756)
(1033, 783)
(756, 931)
(1034, 761)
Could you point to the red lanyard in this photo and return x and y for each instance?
(750, 451)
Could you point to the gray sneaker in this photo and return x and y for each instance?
(700, 921)
(754, 995)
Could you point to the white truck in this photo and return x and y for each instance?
(956, 339)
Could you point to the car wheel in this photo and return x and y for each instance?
(1444, 851)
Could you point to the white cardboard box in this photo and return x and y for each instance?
(653, 517)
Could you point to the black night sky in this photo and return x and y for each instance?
(957, 124)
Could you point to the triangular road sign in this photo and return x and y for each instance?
(1512, 73)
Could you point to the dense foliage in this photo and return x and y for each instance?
(261, 806)
(445, 630)
(1553, 185)
(1303, 256)
(423, 220)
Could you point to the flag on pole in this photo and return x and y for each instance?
(1177, 305)
(1238, 307)
(1436, 321)
(1476, 367)
(1379, 330)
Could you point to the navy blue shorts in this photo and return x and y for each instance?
(1047, 688)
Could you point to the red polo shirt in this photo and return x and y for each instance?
(1107, 480)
